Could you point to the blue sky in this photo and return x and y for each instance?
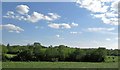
(56, 23)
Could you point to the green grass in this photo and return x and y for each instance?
(59, 65)
(111, 59)
(10, 55)
(0, 65)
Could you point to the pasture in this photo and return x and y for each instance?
(60, 65)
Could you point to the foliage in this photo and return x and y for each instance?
(26, 55)
(37, 52)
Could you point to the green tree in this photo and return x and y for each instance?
(39, 53)
(51, 54)
(97, 55)
(77, 55)
(4, 49)
(26, 55)
(8, 45)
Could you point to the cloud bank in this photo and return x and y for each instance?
(23, 14)
(106, 10)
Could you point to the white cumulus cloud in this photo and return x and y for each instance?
(53, 16)
(58, 36)
(34, 17)
(62, 25)
(100, 29)
(108, 39)
(57, 26)
(9, 14)
(74, 24)
(22, 9)
(106, 10)
(75, 32)
(11, 28)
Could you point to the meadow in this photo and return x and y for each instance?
(60, 65)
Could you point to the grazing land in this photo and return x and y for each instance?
(60, 65)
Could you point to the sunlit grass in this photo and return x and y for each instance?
(59, 65)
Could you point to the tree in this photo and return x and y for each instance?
(9, 48)
(8, 45)
(39, 53)
(97, 55)
(77, 55)
(62, 46)
(51, 54)
(102, 54)
(26, 55)
(36, 44)
(62, 54)
(4, 57)
(4, 49)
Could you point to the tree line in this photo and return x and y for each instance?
(38, 52)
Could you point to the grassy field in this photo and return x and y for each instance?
(111, 59)
(10, 55)
(59, 65)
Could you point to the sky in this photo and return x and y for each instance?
(82, 24)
